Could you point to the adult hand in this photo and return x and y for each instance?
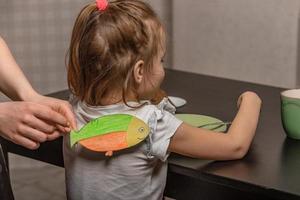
(35, 119)
(60, 106)
(30, 123)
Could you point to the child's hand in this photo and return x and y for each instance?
(249, 96)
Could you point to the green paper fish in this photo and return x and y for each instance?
(111, 133)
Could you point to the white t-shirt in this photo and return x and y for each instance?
(137, 173)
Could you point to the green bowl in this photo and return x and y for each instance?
(290, 112)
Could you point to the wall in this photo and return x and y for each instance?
(38, 34)
(255, 40)
(251, 40)
(164, 9)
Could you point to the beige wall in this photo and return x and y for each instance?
(164, 9)
(251, 40)
(38, 33)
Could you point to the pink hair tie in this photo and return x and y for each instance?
(102, 4)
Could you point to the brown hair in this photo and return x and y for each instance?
(105, 45)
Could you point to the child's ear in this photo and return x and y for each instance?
(138, 71)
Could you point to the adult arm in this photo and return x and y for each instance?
(13, 83)
(37, 118)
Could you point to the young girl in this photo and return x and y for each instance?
(116, 66)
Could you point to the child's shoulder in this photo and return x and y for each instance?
(156, 112)
(144, 110)
(163, 106)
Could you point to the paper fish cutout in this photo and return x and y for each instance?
(111, 133)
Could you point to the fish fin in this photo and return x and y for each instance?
(73, 138)
(109, 153)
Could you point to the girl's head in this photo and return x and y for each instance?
(116, 52)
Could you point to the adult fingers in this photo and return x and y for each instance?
(25, 142)
(66, 110)
(38, 124)
(32, 134)
(63, 129)
(71, 118)
(47, 114)
(53, 136)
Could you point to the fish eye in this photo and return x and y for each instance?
(141, 129)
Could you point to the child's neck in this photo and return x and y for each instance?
(115, 97)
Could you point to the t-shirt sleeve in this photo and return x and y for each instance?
(166, 126)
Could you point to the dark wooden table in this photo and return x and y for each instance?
(271, 169)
